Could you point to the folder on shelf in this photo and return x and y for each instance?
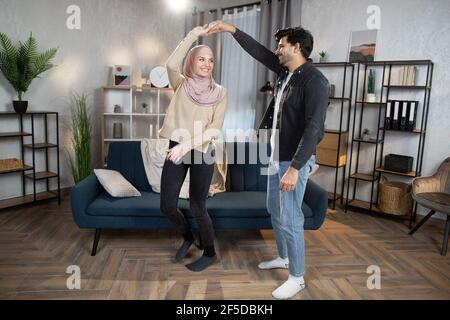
(412, 115)
(395, 119)
(388, 118)
(404, 112)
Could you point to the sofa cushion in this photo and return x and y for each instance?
(226, 204)
(115, 184)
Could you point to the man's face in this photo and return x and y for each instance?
(285, 51)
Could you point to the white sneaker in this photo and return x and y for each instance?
(278, 263)
(290, 288)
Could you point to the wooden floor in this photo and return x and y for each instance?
(38, 243)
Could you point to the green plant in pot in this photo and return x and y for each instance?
(21, 65)
(323, 56)
(365, 134)
(80, 157)
(371, 86)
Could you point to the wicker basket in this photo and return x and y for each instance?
(10, 164)
(395, 197)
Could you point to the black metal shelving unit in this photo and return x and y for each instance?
(34, 147)
(381, 138)
(345, 100)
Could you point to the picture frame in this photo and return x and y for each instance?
(362, 46)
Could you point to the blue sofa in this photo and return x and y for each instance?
(242, 206)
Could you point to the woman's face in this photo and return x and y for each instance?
(204, 64)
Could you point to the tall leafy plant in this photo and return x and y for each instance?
(23, 64)
(371, 81)
(80, 160)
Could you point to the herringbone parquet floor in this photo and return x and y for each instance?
(38, 243)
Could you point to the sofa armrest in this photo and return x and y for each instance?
(317, 199)
(82, 195)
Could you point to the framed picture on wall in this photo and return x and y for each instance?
(362, 45)
(122, 75)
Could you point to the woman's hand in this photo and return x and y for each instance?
(201, 31)
(220, 26)
(176, 153)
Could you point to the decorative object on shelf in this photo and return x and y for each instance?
(80, 160)
(150, 129)
(267, 88)
(145, 74)
(144, 107)
(22, 65)
(395, 197)
(398, 163)
(371, 86)
(365, 135)
(117, 130)
(329, 149)
(323, 56)
(159, 77)
(117, 108)
(10, 164)
(331, 90)
(122, 75)
(362, 46)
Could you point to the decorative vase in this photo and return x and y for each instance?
(322, 59)
(20, 106)
(117, 130)
(117, 109)
(366, 137)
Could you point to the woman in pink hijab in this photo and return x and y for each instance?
(194, 118)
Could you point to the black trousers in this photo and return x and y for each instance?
(172, 179)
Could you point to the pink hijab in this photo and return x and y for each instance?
(203, 91)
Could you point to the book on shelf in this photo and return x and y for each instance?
(402, 76)
(388, 118)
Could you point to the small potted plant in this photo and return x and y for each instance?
(371, 86)
(144, 107)
(323, 56)
(21, 65)
(365, 134)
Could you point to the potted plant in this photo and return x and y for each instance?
(323, 56)
(80, 157)
(22, 65)
(371, 86)
(365, 134)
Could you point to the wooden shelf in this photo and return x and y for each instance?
(148, 114)
(41, 145)
(42, 175)
(333, 64)
(335, 131)
(364, 176)
(14, 134)
(372, 141)
(406, 87)
(339, 98)
(7, 203)
(394, 130)
(327, 165)
(411, 174)
(371, 103)
(117, 88)
(396, 62)
(364, 205)
(331, 196)
(25, 168)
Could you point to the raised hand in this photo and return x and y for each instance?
(220, 26)
(201, 30)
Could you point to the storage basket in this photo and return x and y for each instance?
(10, 164)
(395, 197)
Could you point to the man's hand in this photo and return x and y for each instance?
(289, 180)
(201, 30)
(221, 26)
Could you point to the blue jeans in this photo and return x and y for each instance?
(285, 209)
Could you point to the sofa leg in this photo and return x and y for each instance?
(421, 222)
(445, 242)
(96, 238)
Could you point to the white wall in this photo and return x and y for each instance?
(135, 32)
(410, 29)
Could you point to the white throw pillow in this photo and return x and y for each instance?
(115, 184)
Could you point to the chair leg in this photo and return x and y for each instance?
(446, 232)
(421, 222)
(96, 239)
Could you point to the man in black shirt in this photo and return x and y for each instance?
(297, 113)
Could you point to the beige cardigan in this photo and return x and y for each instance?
(182, 113)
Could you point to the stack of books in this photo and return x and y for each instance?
(402, 76)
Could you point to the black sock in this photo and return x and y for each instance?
(209, 251)
(188, 236)
(201, 263)
(183, 250)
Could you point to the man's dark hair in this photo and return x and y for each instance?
(298, 35)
